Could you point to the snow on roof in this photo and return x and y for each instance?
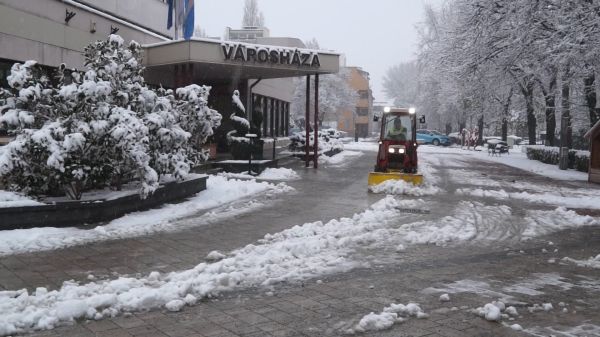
(207, 40)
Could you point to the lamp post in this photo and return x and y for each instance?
(251, 137)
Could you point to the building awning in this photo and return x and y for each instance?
(212, 61)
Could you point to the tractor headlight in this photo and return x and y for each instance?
(391, 150)
(401, 151)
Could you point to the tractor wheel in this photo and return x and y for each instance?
(436, 142)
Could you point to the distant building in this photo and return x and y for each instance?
(356, 121)
(247, 34)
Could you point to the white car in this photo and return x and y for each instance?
(333, 133)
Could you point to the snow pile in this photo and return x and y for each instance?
(215, 255)
(295, 254)
(444, 298)
(280, 173)
(375, 322)
(545, 222)
(362, 146)
(490, 312)
(12, 199)
(470, 221)
(496, 311)
(339, 159)
(481, 193)
(219, 191)
(592, 262)
(540, 307)
(401, 187)
(395, 313)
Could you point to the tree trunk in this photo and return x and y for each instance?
(550, 99)
(527, 91)
(566, 132)
(591, 98)
(504, 129)
(480, 129)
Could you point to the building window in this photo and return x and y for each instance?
(4, 72)
(362, 111)
(364, 94)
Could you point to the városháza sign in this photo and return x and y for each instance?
(247, 53)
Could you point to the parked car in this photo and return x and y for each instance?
(333, 133)
(432, 137)
(455, 137)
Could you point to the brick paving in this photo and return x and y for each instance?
(335, 303)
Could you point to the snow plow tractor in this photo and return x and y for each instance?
(397, 157)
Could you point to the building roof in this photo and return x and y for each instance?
(224, 61)
(592, 130)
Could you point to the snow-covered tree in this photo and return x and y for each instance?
(99, 129)
(253, 17)
(335, 95)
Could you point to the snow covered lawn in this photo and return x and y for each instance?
(220, 191)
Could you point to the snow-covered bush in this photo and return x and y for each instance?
(578, 160)
(326, 143)
(99, 128)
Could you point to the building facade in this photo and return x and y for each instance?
(57, 31)
(357, 120)
(261, 67)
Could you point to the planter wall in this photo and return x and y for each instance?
(76, 213)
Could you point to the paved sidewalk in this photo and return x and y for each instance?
(342, 189)
(334, 304)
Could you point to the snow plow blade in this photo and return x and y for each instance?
(376, 178)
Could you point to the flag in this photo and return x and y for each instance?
(170, 16)
(188, 22)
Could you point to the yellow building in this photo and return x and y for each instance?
(356, 121)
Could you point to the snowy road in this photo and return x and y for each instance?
(488, 232)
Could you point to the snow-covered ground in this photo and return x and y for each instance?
(219, 192)
(516, 159)
(296, 254)
(281, 173)
(12, 199)
(592, 262)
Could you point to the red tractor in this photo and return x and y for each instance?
(397, 157)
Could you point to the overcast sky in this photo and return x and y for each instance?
(374, 34)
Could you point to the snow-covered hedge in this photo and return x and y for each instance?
(99, 128)
(326, 143)
(578, 160)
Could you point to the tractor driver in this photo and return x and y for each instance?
(397, 132)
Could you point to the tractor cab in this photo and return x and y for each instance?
(397, 156)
